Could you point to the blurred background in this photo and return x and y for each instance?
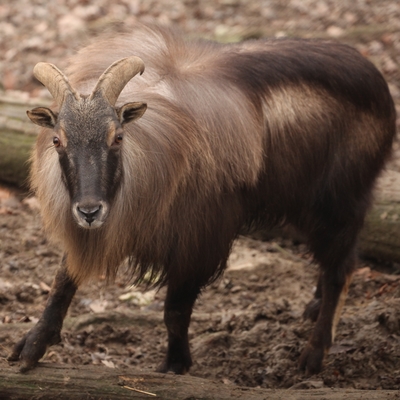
(41, 30)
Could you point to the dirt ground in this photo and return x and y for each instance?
(247, 328)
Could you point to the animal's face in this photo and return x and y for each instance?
(88, 135)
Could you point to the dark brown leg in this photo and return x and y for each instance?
(334, 282)
(31, 348)
(312, 309)
(177, 312)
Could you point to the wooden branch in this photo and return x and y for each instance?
(63, 382)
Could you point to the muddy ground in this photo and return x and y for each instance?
(247, 327)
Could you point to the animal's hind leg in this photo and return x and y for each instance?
(312, 309)
(177, 312)
(337, 265)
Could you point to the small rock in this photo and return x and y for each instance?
(335, 31)
(375, 47)
(389, 66)
(98, 306)
(236, 289)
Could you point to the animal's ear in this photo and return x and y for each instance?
(131, 111)
(43, 116)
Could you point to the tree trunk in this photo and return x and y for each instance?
(65, 382)
(379, 238)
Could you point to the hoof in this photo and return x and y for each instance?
(32, 347)
(177, 367)
(311, 360)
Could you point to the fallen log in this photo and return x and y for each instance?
(379, 239)
(17, 135)
(64, 382)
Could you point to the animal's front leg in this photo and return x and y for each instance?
(31, 348)
(177, 312)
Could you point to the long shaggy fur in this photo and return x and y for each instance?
(261, 132)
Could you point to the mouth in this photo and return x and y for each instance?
(90, 225)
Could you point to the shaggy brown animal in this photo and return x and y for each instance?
(213, 140)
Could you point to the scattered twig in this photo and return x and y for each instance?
(139, 391)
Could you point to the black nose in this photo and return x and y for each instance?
(89, 213)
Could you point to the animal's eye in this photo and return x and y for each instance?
(118, 138)
(56, 141)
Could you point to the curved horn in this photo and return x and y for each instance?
(116, 76)
(55, 81)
